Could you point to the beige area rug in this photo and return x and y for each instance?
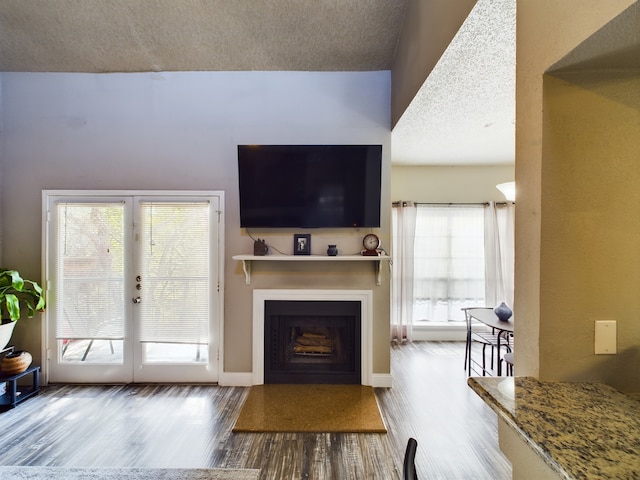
(310, 408)
(81, 473)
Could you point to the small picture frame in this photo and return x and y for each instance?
(302, 244)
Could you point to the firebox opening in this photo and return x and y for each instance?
(312, 342)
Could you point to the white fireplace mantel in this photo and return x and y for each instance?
(365, 297)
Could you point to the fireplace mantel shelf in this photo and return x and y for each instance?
(247, 259)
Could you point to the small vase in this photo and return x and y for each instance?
(332, 251)
(503, 312)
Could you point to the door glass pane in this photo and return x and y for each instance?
(175, 287)
(90, 282)
(74, 350)
(175, 353)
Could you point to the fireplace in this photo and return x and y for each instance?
(312, 342)
(323, 323)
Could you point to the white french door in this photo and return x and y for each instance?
(134, 286)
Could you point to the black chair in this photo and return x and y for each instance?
(485, 337)
(409, 466)
(508, 360)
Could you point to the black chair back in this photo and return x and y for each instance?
(409, 466)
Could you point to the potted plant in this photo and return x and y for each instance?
(17, 296)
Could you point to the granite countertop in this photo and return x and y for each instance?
(581, 430)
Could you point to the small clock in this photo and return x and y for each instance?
(370, 242)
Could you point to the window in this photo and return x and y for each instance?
(447, 257)
(449, 261)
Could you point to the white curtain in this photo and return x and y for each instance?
(449, 262)
(499, 253)
(447, 257)
(403, 219)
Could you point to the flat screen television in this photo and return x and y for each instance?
(309, 186)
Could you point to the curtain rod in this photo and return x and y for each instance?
(485, 204)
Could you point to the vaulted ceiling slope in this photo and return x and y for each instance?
(615, 47)
(198, 35)
(462, 115)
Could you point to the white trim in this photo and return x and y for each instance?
(365, 297)
(44, 324)
(131, 193)
(219, 350)
(441, 332)
(381, 380)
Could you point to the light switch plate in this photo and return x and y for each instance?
(605, 337)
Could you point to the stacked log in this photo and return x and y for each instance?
(312, 343)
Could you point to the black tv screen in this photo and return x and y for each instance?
(309, 186)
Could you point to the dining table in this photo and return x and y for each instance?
(504, 327)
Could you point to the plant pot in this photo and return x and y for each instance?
(16, 362)
(6, 330)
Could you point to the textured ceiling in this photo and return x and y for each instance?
(464, 113)
(198, 35)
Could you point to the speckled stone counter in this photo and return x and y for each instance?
(580, 430)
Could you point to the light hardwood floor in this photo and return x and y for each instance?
(190, 426)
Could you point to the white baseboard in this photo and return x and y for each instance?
(245, 379)
(381, 380)
(441, 332)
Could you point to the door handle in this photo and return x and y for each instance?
(136, 300)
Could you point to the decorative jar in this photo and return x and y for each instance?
(332, 251)
(503, 312)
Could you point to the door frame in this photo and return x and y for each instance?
(217, 287)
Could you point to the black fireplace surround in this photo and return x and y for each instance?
(312, 342)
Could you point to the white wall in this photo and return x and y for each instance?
(459, 184)
(441, 184)
(173, 131)
(548, 31)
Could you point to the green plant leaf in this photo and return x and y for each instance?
(16, 280)
(19, 296)
(13, 306)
